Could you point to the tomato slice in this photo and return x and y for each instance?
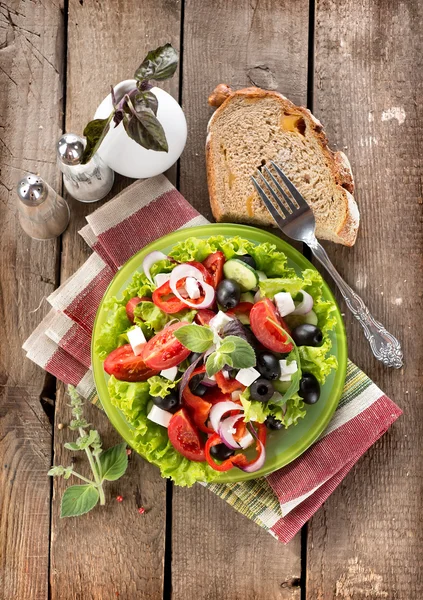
(228, 386)
(214, 264)
(133, 302)
(199, 408)
(207, 276)
(204, 316)
(164, 350)
(125, 366)
(165, 299)
(184, 437)
(266, 323)
(242, 309)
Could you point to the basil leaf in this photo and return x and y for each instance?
(114, 462)
(95, 132)
(159, 64)
(227, 347)
(145, 129)
(195, 337)
(146, 100)
(78, 500)
(243, 355)
(215, 363)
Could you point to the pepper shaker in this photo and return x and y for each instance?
(86, 183)
(43, 214)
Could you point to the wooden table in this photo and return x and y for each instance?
(358, 65)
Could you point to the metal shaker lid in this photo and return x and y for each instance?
(70, 148)
(32, 190)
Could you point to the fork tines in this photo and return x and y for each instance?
(290, 206)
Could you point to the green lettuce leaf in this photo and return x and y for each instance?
(151, 440)
(109, 337)
(160, 386)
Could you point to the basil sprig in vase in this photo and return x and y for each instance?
(139, 130)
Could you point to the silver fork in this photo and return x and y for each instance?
(296, 220)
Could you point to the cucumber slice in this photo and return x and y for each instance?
(247, 297)
(281, 386)
(262, 275)
(239, 271)
(294, 320)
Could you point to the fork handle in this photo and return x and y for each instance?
(384, 345)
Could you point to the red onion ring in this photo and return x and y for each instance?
(305, 305)
(227, 437)
(150, 260)
(260, 460)
(185, 270)
(209, 382)
(219, 409)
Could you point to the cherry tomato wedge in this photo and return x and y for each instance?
(214, 264)
(125, 366)
(133, 302)
(207, 276)
(165, 299)
(264, 322)
(184, 437)
(228, 386)
(198, 407)
(241, 310)
(164, 350)
(204, 316)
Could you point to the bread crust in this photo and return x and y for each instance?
(337, 162)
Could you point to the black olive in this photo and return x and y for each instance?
(169, 402)
(196, 386)
(261, 390)
(247, 259)
(268, 366)
(221, 452)
(307, 335)
(192, 357)
(309, 388)
(228, 293)
(273, 423)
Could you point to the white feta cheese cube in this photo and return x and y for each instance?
(161, 278)
(247, 376)
(169, 373)
(136, 339)
(159, 416)
(284, 303)
(219, 321)
(287, 370)
(192, 288)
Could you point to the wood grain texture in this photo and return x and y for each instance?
(367, 539)
(31, 64)
(114, 552)
(216, 551)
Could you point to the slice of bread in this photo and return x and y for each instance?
(252, 126)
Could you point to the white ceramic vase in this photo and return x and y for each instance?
(128, 158)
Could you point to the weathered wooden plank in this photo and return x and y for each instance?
(216, 551)
(114, 552)
(31, 59)
(367, 539)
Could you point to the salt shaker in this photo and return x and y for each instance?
(86, 183)
(43, 214)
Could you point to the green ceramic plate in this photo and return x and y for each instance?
(282, 446)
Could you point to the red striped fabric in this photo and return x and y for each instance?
(65, 367)
(333, 457)
(168, 212)
(77, 342)
(83, 308)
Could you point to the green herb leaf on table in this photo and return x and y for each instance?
(145, 100)
(196, 338)
(159, 64)
(113, 462)
(78, 500)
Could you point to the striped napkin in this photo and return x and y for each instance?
(280, 503)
